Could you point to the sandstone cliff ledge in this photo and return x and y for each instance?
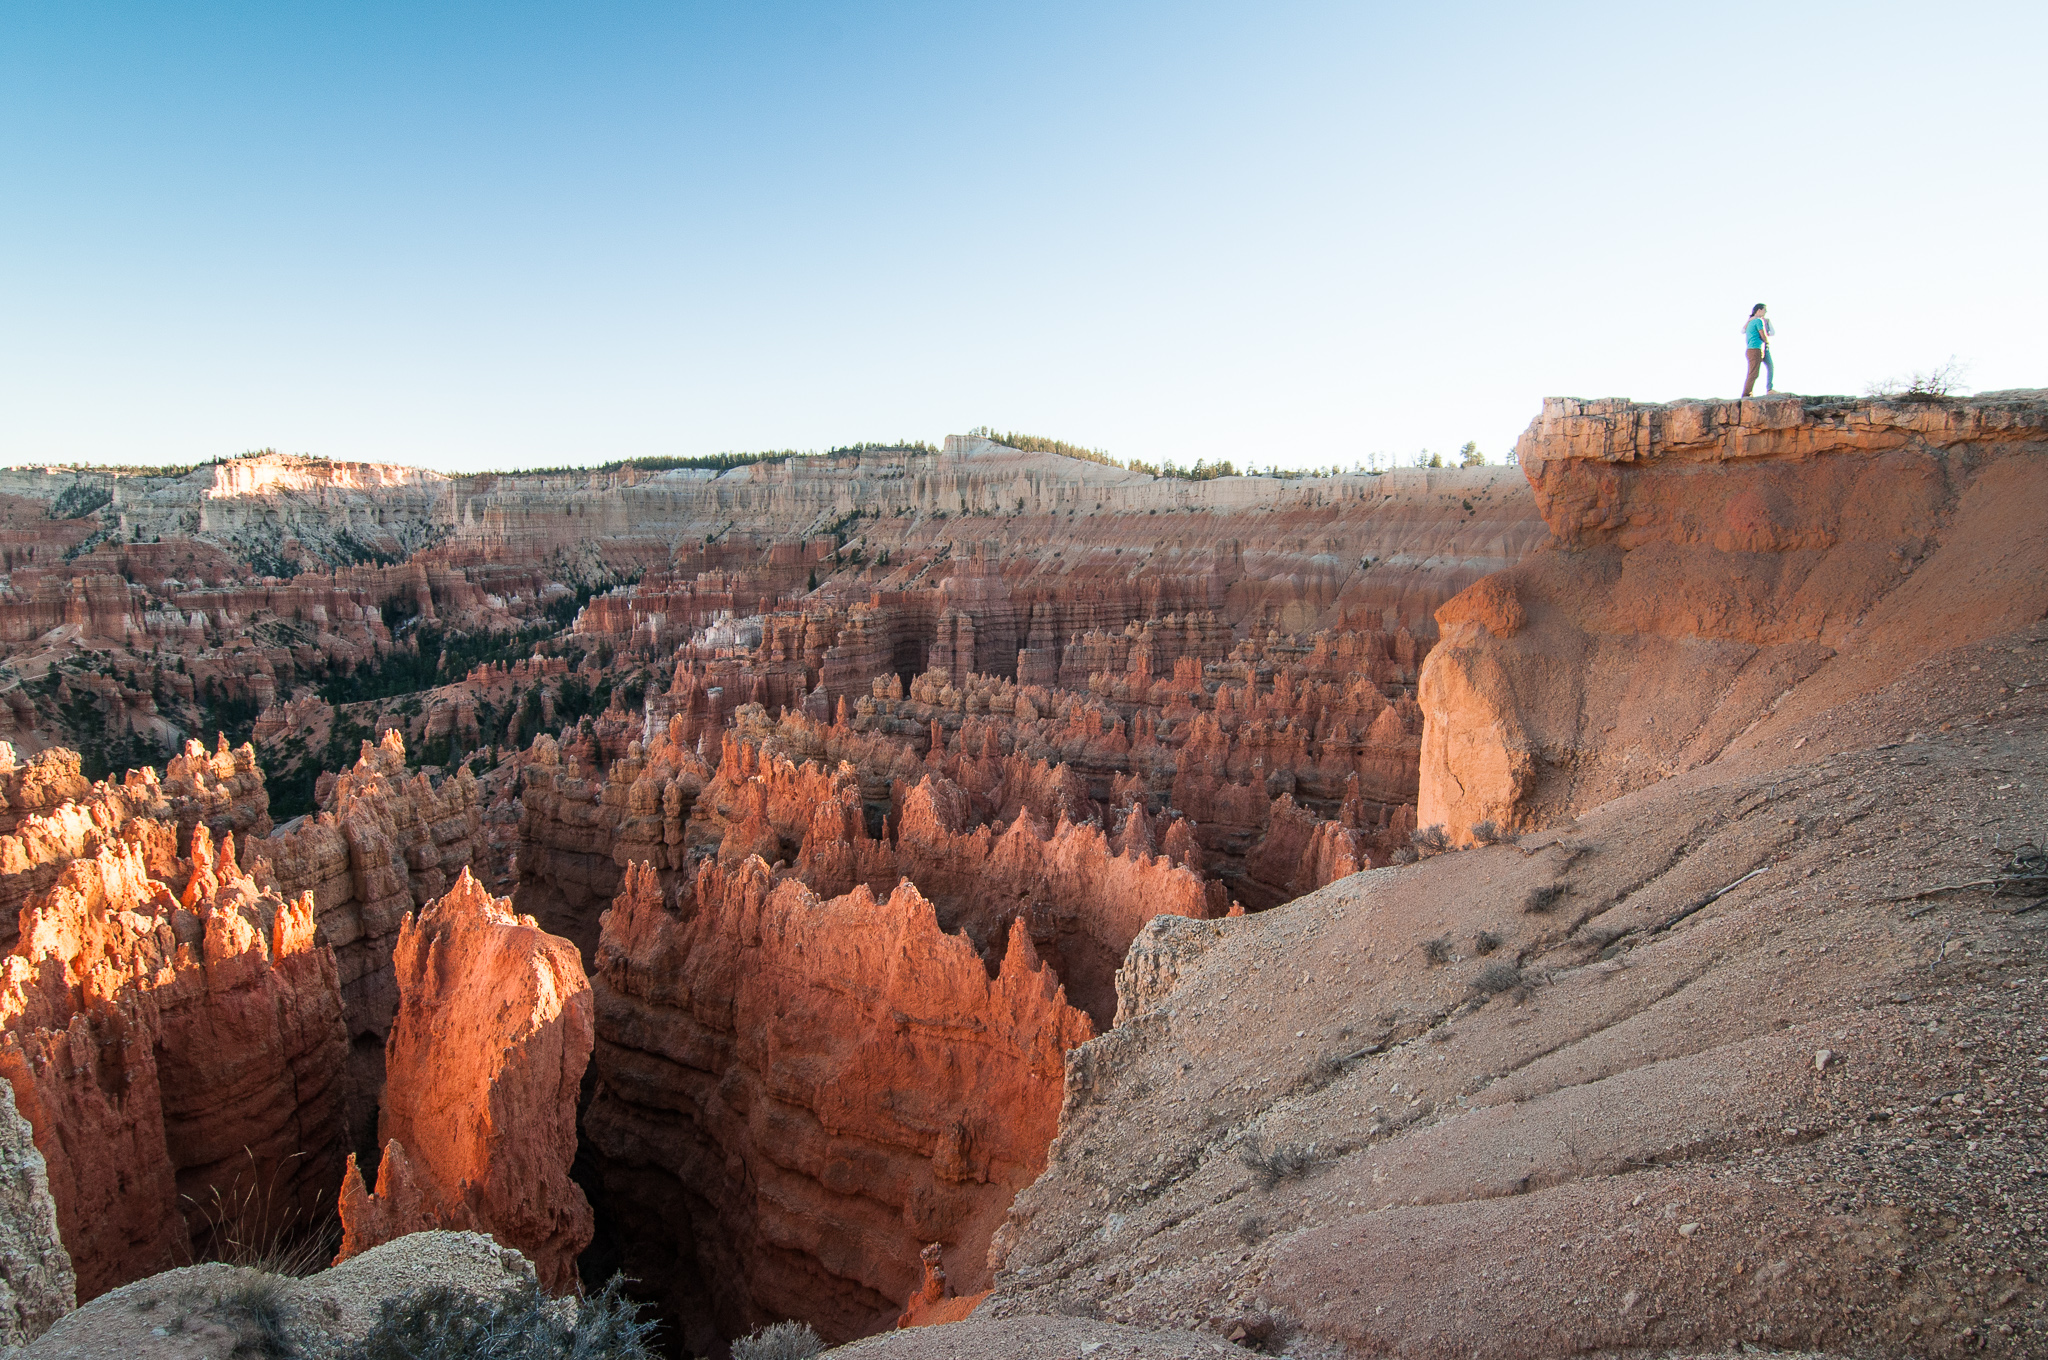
(1710, 562)
(1718, 1053)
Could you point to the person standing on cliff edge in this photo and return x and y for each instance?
(1757, 336)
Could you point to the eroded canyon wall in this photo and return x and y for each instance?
(1736, 1051)
(795, 1096)
(1006, 706)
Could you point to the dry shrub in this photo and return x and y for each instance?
(1496, 978)
(1430, 840)
(1544, 898)
(523, 1323)
(1324, 1070)
(1274, 1165)
(1485, 942)
(1437, 951)
(1488, 832)
(255, 1308)
(1943, 382)
(783, 1341)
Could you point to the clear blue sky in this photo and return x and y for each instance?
(500, 235)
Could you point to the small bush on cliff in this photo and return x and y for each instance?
(1944, 382)
(1437, 951)
(1485, 942)
(783, 1341)
(1544, 898)
(1272, 1165)
(254, 1307)
(1496, 978)
(523, 1323)
(1488, 832)
(1430, 840)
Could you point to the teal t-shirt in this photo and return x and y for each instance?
(1753, 333)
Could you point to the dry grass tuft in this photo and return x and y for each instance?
(251, 1223)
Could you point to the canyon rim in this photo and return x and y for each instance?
(1585, 906)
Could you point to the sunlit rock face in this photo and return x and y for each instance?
(179, 1054)
(53, 815)
(478, 1121)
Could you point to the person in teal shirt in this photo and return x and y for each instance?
(1756, 337)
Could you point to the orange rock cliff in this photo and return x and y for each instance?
(177, 1054)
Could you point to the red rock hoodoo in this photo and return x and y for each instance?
(384, 844)
(478, 1123)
